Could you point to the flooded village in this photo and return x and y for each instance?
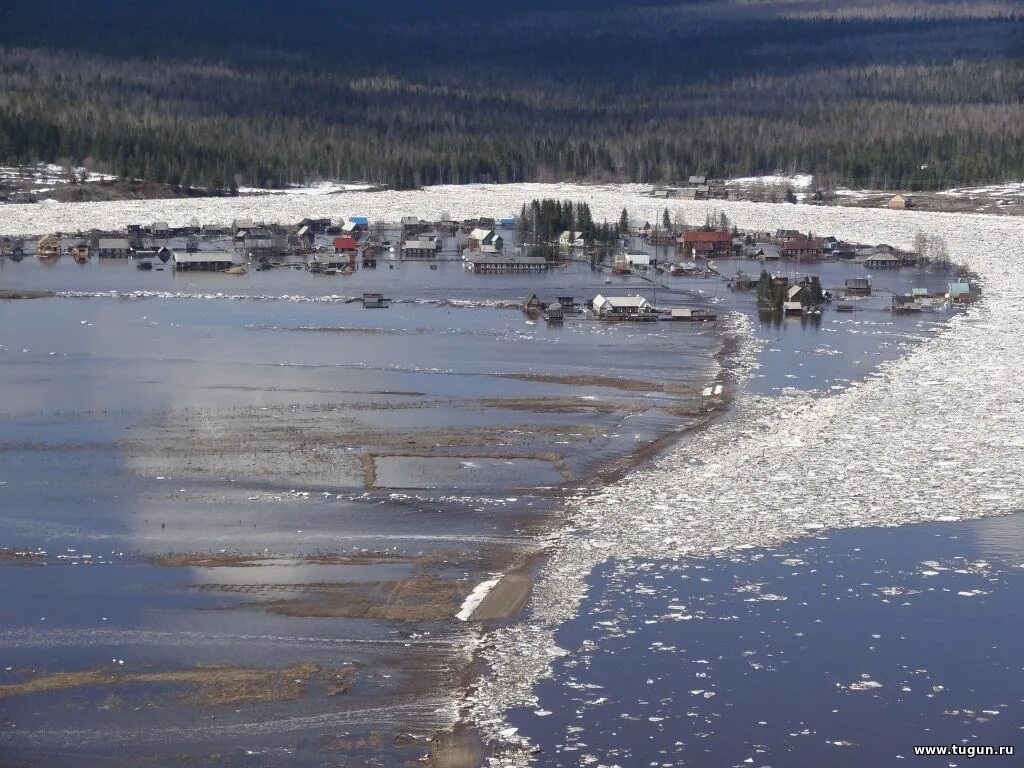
(284, 517)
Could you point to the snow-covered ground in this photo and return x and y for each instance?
(320, 188)
(800, 182)
(48, 175)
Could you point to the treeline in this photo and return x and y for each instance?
(234, 94)
(543, 221)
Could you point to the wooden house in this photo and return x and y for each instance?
(882, 260)
(47, 247)
(498, 262)
(622, 308)
(80, 251)
(802, 249)
(485, 241)
(345, 244)
(203, 261)
(857, 286)
(900, 202)
(696, 243)
(114, 248)
(421, 247)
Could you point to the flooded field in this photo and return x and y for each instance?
(245, 527)
(244, 519)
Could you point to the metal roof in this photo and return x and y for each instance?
(202, 257)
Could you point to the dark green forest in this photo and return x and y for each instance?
(911, 95)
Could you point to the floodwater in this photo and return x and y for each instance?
(845, 649)
(220, 477)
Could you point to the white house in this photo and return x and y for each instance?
(635, 259)
(620, 306)
(571, 239)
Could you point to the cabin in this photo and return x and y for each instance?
(767, 252)
(532, 304)
(904, 304)
(203, 261)
(802, 249)
(413, 225)
(369, 257)
(883, 260)
(160, 229)
(741, 281)
(114, 248)
(315, 226)
(622, 308)
(553, 313)
(639, 227)
(701, 243)
(857, 286)
(80, 251)
(421, 247)
(47, 246)
(325, 261)
(163, 253)
(375, 301)
(960, 292)
(353, 229)
(788, 234)
(485, 241)
(345, 244)
(571, 239)
(214, 230)
(503, 263)
(920, 293)
(688, 315)
(508, 222)
(241, 226)
(792, 308)
(900, 202)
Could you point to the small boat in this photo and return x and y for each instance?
(144, 266)
(844, 307)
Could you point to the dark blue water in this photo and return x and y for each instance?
(840, 650)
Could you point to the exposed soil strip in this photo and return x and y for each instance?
(626, 385)
(214, 686)
(7, 293)
(505, 599)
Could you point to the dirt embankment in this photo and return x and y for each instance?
(418, 598)
(8, 293)
(208, 686)
(625, 385)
